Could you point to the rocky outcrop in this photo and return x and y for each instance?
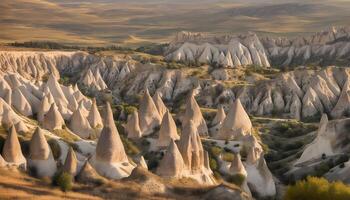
(40, 162)
(12, 152)
(70, 165)
(162, 109)
(80, 125)
(260, 179)
(53, 119)
(193, 113)
(322, 143)
(236, 123)
(191, 149)
(323, 48)
(172, 164)
(110, 159)
(132, 126)
(149, 117)
(230, 51)
(94, 116)
(167, 131)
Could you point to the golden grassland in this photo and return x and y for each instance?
(140, 23)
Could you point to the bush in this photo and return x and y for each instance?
(215, 151)
(237, 179)
(64, 180)
(213, 164)
(317, 188)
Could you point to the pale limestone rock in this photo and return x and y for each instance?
(168, 131)
(132, 126)
(80, 125)
(20, 103)
(148, 114)
(94, 116)
(162, 109)
(12, 152)
(236, 123)
(110, 159)
(71, 163)
(53, 119)
(40, 156)
(194, 114)
(172, 164)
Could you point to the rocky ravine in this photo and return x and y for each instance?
(300, 94)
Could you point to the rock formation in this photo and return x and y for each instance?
(157, 99)
(12, 152)
(88, 175)
(172, 164)
(94, 116)
(53, 119)
(148, 114)
(132, 126)
(193, 112)
(110, 159)
(229, 51)
(20, 103)
(236, 166)
(41, 161)
(260, 179)
(168, 131)
(236, 123)
(191, 149)
(80, 125)
(322, 144)
(71, 163)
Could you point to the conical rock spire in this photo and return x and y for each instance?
(219, 117)
(159, 104)
(191, 148)
(88, 174)
(148, 114)
(12, 152)
(172, 164)
(71, 163)
(40, 155)
(20, 103)
(236, 166)
(94, 116)
(80, 125)
(237, 122)
(110, 159)
(168, 130)
(53, 119)
(194, 113)
(132, 126)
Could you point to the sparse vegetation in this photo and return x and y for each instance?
(237, 179)
(317, 188)
(63, 180)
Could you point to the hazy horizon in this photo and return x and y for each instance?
(137, 21)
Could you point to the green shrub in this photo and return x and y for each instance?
(215, 151)
(129, 109)
(64, 180)
(237, 179)
(314, 188)
(213, 164)
(228, 157)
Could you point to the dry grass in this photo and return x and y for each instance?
(16, 185)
